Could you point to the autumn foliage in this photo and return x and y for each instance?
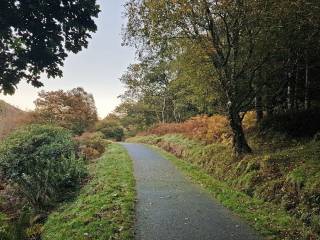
(91, 145)
(204, 128)
(74, 109)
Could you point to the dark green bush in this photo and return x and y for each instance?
(116, 134)
(111, 129)
(40, 160)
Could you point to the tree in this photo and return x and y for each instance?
(135, 116)
(289, 79)
(172, 90)
(74, 109)
(111, 127)
(226, 57)
(194, 88)
(148, 82)
(36, 37)
(228, 32)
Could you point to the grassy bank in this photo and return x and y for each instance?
(104, 209)
(4, 226)
(275, 189)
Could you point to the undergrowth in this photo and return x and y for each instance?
(104, 208)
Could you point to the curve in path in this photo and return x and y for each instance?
(169, 207)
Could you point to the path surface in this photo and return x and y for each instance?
(169, 207)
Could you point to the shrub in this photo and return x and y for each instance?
(204, 128)
(40, 160)
(111, 129)
(249, 121)
(91, 145)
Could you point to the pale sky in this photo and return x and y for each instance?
(96, 69)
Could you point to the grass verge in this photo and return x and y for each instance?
(268, 219)
(104, 209)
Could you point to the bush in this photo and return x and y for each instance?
(40, 160)
(111, 129)
(91, 145)
(203, 128)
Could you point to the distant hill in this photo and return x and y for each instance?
(11, 117)
(8, 110)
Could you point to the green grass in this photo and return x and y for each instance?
(172, 138)
(270, 220)
(202, 163)
(104, 209)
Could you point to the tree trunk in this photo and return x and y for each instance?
(163, 110)
(240, 144)
(290, 93)
(269, 106)
(307, 88)
(174, 112)
(296, 88)
(258, 106)
(158, 116)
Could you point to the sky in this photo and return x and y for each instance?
(97, 69)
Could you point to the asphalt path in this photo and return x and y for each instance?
(170, 207)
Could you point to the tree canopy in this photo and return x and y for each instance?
(74, 109)
(36, 36)
(226, 56)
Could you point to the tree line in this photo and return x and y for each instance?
(226, 57)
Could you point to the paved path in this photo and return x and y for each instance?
(169, 207)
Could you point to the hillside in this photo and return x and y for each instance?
(10, 118)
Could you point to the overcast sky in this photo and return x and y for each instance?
(96, 69)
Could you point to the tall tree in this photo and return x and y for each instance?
(148, 83)
(74, 109)
(36, 36)
(290, 75)
(229, 33)
(135, 116)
